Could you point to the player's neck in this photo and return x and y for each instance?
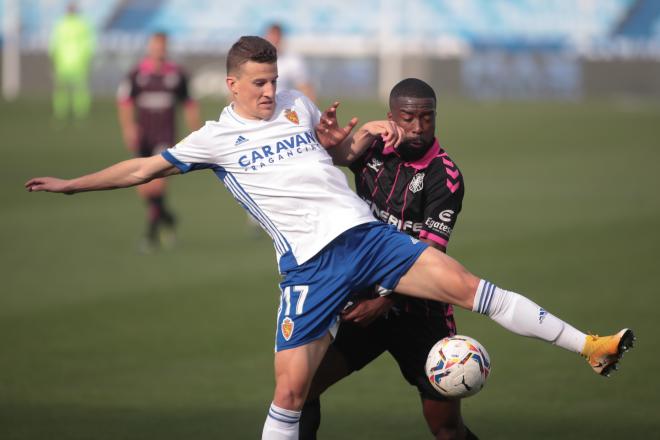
(243, 114)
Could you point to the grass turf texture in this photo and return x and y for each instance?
(98, 342)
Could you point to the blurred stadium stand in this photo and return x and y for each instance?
(486, 49)
(642, 21)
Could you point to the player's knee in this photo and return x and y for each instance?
(471, 284)
(464, 288)
(289, 397)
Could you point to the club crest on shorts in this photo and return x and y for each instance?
(417, 183)
(287, 328)
(292, 116)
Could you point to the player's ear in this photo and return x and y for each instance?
(232, 85)
(389, 116)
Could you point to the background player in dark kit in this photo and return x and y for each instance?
(147, 102)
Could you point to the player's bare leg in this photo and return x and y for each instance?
(439, 277)
(294, 370)
(333, 369)
(158, 216)
(445, 421)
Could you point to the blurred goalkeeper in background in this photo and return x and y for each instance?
(71, 51)
(418, 188)
(147, 101)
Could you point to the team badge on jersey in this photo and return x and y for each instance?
(417, 183)
(287, 328)
(292, 116)
(375, 164)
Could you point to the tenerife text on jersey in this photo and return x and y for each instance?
(384, 216)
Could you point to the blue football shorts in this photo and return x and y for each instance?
(314, 293)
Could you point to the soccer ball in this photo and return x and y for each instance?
(458, 366)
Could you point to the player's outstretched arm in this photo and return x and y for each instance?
(344, 147)
(121, 175)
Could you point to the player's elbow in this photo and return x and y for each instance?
(141, 175)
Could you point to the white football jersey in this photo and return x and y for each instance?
(277, 170)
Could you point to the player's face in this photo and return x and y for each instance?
(157, 49)
(253, 89)
(417, 118)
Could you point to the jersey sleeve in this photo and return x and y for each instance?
(443, 192)
(182, 90)
(312, 109)
(195, 152)
(127, 90)
(359, 163)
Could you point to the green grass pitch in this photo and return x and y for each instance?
(98, 342)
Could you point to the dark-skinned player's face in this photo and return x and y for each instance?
(417, 118)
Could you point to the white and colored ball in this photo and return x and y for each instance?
(458, 366)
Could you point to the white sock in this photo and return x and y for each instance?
(518, 314)
(281, 424)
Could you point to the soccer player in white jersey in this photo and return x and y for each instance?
(270, 152)
(292, 74)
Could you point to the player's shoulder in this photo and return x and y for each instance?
(291, 96)
(205, 134)
(442, 169)
(133, 72)
(174, 68)
(441, 160)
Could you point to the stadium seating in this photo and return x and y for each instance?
(471, 20)
(642, 21)
(209, 22)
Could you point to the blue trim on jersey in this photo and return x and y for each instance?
(234, 187)
(185, 167)
(287, 262)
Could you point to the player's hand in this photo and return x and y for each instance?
(391, 133)
(328, 131)
(367, 311)
(49, 184)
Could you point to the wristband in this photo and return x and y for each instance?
(383, 291)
